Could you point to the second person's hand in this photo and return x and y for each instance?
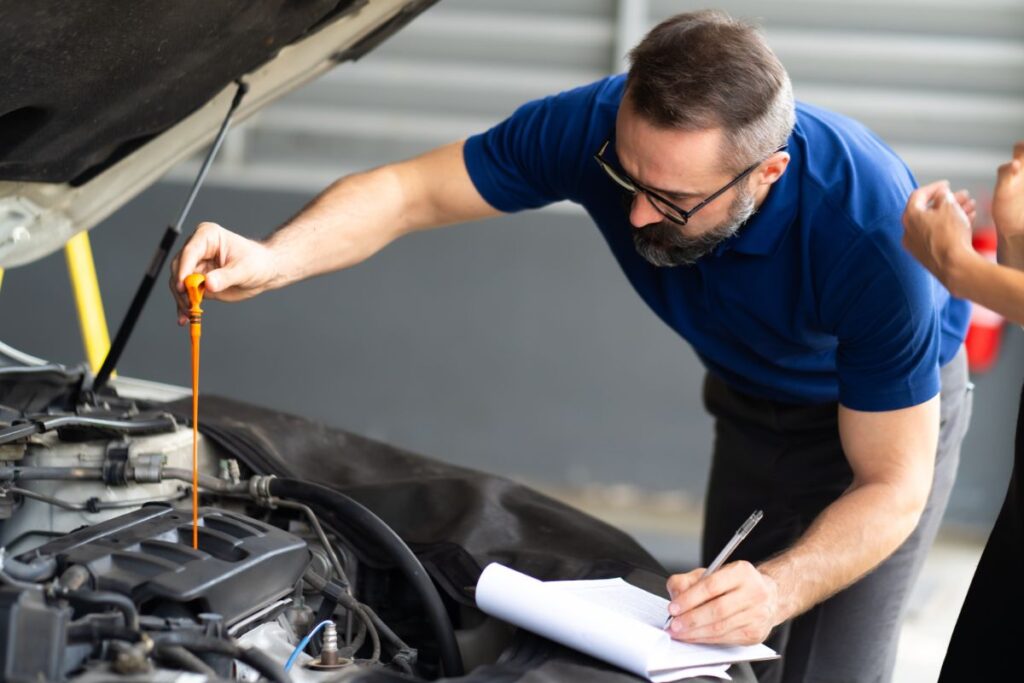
(236, 267)
(937, 230)
(1008, 197)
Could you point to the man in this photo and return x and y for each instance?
(938, 234)
(766, 236)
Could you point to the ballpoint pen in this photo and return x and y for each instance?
(727, 551)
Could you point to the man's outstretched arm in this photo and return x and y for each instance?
(347, 223)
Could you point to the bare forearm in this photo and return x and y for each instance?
(359, 215)
(997, 287)
(849, 539)
(347, 223)
(1011, 251)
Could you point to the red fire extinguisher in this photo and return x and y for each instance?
(985, 332)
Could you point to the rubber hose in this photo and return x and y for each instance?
(374, 635)
(104, 599)
(195, 642)
(177, 656)
(385, 630)
(351, 604)
(366, 522)
(39, 569)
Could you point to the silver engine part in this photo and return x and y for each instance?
(34, 519)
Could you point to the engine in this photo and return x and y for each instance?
(147, 555)
(99, 579)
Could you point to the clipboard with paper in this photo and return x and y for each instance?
(608, 619)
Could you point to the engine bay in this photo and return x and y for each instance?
(322, 555)
(99, 577)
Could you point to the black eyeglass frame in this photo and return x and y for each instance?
(626, 182)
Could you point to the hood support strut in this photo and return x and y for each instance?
(159, 259)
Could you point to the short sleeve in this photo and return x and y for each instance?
(537, 155)
(882, 306)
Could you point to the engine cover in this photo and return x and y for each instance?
(241, 565)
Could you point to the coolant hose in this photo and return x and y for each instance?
(366, 522)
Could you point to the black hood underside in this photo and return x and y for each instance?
(86, 83)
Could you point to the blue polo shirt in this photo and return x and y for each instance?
(813, 300)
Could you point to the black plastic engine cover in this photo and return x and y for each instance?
(241, 564)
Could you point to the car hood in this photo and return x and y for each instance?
(101, 98)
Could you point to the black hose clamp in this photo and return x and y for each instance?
(115, 464)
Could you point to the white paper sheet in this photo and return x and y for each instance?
(608, 619)
(624, 598)
(566, 618)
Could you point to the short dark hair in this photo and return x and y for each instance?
(701, 70)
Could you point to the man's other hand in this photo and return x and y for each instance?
(736, 605)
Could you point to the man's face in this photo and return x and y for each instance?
(683, 167)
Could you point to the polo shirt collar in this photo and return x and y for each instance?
(765, 230)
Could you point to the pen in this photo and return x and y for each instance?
(722, 556)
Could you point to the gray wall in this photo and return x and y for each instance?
(514, 346)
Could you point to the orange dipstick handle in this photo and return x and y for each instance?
(195, 285)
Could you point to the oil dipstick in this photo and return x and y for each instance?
(195, 285)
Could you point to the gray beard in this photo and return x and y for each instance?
(664, 244)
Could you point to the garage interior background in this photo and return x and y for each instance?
(517, 346)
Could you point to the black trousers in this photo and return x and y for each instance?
(991, 624)
(788, 461)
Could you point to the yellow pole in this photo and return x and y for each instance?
(86, 287)
(1, 277)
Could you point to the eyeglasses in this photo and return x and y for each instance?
(674, 213)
